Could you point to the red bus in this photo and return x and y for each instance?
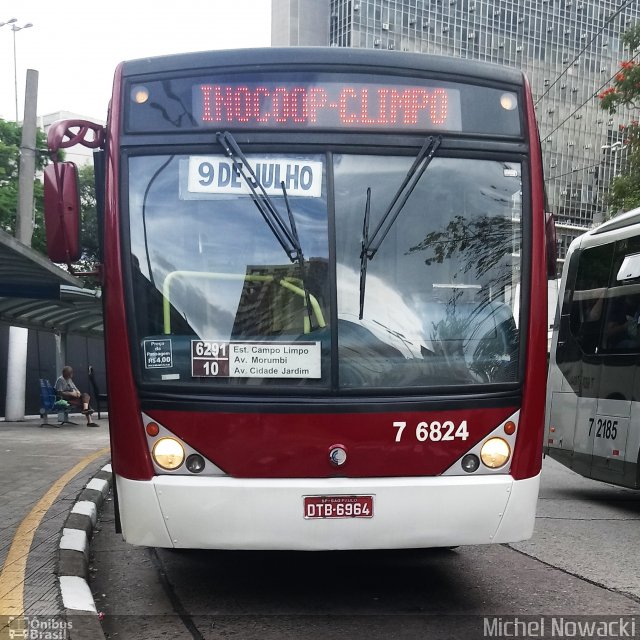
(325, 293)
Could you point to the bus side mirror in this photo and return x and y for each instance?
(62, 211)
(552, 246)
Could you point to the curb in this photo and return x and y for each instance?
(73, 559)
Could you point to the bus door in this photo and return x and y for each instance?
(574, 410)
(571, 381)
(619, 349)
(608, 431)
(632, 450)
(609, 427)
(586, 410)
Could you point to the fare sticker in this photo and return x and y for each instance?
(158, 354)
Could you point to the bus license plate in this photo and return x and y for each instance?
(338, 507)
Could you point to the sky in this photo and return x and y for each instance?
(75, 45)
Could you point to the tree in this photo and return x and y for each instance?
(89, 219)
(624, 191)
(10, 139)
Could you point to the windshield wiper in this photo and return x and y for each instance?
(287, 238)
(370, 245)
(363, 250)
(298, 244)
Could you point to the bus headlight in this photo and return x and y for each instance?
(495, 453)
(168, 453)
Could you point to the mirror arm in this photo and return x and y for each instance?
(62, 134)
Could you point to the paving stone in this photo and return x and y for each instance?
(31, 460)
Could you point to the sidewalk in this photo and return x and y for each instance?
(32, 459)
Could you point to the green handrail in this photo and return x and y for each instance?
(287, 283)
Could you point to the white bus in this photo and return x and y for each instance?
(593, 412)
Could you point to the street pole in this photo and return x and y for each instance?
(26, 176)
(15, 70)
(16, 374)
(19, 336)
(15, 28)
(12, 22)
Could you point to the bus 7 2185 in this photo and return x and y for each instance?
(594, 380)
(324, 293)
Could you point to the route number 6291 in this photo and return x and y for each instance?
(434, 431)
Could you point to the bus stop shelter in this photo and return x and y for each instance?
(36, 294)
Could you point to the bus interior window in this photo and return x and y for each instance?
(586, 317)
(621, 329)
(588, 300)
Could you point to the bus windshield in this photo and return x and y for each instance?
(217, 301)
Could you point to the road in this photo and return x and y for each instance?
(581, 565)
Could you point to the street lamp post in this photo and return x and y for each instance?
(11, 22)
(615, 149)
(15, 28)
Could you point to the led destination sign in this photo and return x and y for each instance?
(318, 101)
(330, 105)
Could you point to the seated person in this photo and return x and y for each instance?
(621, 329)
(67, 390)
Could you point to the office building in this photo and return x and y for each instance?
(570, 50)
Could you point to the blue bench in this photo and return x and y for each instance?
(48, 401)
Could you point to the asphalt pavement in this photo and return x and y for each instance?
(586, 536)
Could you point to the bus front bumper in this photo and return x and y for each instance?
(263, 514)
